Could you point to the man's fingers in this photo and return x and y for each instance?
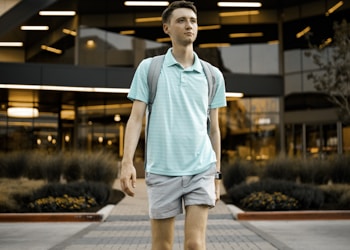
(126, 186)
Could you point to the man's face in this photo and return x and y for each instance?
(182, 26)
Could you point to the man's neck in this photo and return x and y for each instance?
(183, 55)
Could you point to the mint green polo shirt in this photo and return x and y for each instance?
(177, 140)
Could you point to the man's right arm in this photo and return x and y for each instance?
(132, 136)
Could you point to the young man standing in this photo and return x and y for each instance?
(182, 158)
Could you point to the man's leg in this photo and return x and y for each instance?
(195, 227)
(163, 233)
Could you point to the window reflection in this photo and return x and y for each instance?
(249, 128)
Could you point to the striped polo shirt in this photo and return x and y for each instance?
(177, 140)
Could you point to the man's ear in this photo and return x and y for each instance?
(165, 28)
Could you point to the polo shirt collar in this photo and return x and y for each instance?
(169, 60)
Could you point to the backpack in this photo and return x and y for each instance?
(153, 76)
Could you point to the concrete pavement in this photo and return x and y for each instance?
(127, 227)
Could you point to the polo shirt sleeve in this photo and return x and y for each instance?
(219, 99)
(139, 86)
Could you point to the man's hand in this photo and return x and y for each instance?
(128, 179)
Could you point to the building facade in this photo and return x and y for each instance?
(76, 97)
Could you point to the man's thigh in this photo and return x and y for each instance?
(196, 223)
(163, 233)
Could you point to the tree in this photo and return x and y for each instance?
(334, 63)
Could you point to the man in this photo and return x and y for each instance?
(182, 159)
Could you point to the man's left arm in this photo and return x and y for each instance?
(215, 139)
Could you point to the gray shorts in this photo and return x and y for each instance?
(168, 194)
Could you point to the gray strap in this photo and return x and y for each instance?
(210, 74)
(152, 78)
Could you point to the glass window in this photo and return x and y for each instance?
(236, 58)
(265, 59)
(249, 128)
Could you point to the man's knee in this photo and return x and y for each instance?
(194, 244)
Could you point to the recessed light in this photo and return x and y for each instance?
(239, 4)
(11, 44)
(34, 27)
(146, 3)
(57, 13)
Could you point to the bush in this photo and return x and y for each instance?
(333, 194)
(100, 167)
(72, 170)
(236, 173)
(57, 197)
(315, 171)
(13, 165)
(344, 201)
(282, 168)
(53, 167)
(307, 196)
(262, 201)
(340, 169)
(36, 166)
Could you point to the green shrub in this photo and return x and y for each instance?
(282, 168)
(262, 201)
(315, 171)
(344, 201)
(100, 167)
(333, 194)
(236, 173)
(65, 203)
(308, 197)
(58, 197)
(53, 167)
(36, 166)
(7, 204)
(72, 170)
(14, 164)
(340, 169)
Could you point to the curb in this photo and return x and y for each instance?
(99, 216)
(50, 217)
(241, 215)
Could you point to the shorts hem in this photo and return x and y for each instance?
(161, 216)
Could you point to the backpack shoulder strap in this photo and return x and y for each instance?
(210, 74)
(152, 78)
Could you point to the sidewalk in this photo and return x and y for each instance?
(127, 227)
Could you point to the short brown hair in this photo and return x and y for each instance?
(176, 5)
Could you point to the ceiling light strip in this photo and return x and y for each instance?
(334, 8)
(234, 94)
(51, 49)
(85, 89)
(213, 45)
(34, 27)
(11, 44)
(240, 35)
(239, 13)
(209, 27)
(146, 3)
(148, 19)
(22, 112)
(64, 88)
(69, 32)
(57, 13)
(239, 4)
(303, 32)
(127, 32)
